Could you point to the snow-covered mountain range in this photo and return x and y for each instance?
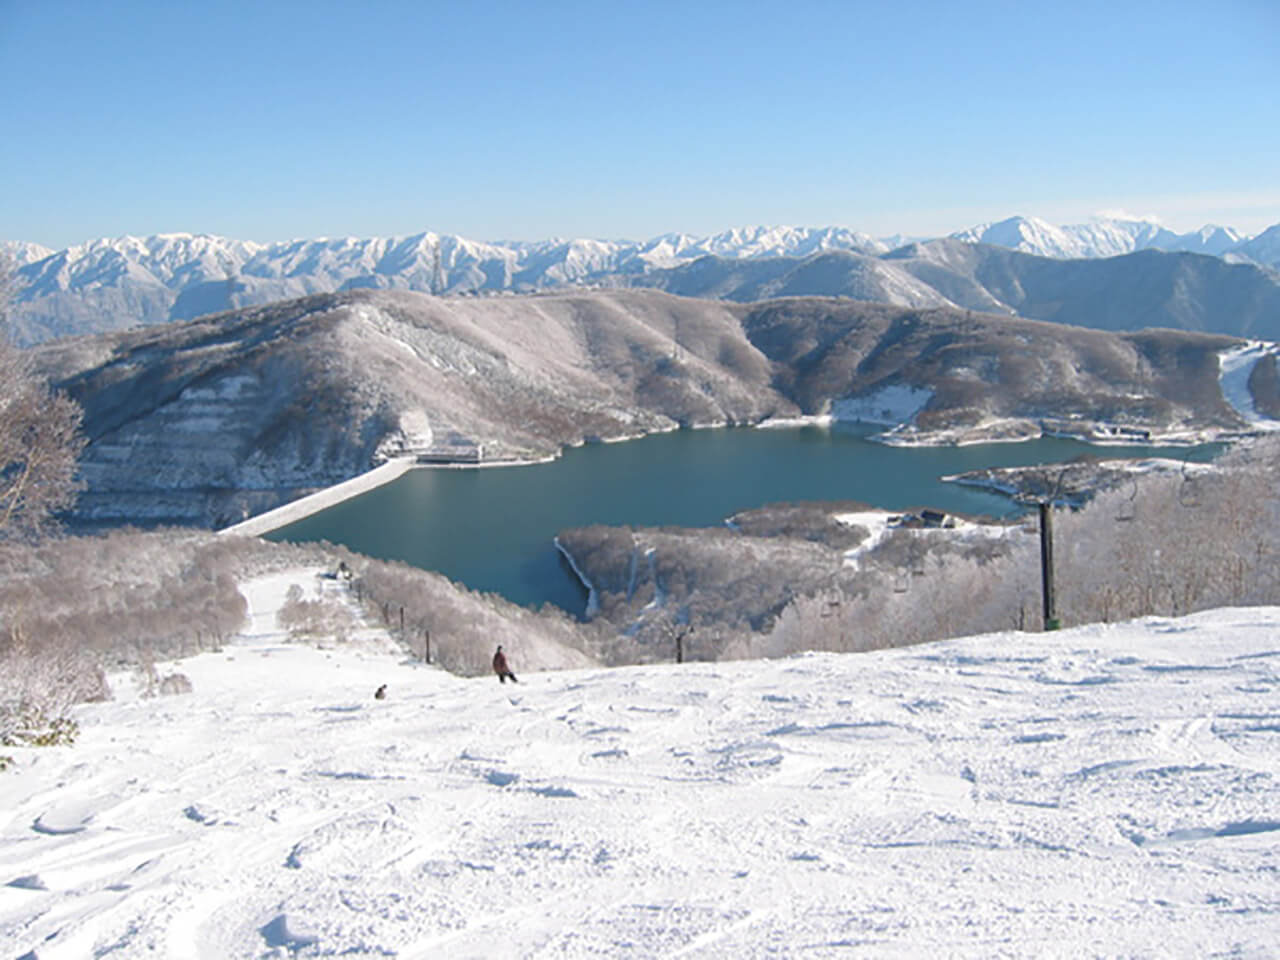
(117, 283)
(1107, 237)
(1098, 238)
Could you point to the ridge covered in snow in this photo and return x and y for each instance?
(427, 260)
(1107, 790)
(22, 253)
(110, 284)
(1100, 237)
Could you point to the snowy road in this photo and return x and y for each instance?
(1098, 791)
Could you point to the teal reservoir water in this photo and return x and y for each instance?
(493, 529)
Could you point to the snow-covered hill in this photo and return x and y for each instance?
(1100, 791)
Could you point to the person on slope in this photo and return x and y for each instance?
(500, 667)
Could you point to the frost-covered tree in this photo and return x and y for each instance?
(1165, 544)
(1174, 543)
(40, 441)
(316, 618)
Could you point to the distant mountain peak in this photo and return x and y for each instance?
(1101, 236)
(1124, 216)
(108, 283)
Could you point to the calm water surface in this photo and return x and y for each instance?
(492, 529)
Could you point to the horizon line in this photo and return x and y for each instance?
(1102, 216)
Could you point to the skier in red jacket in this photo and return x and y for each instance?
(500, 667)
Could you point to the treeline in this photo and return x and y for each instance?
(124, 596)
(459, 629)
(1164, 545)
(73, 609)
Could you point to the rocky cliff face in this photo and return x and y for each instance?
(209, 421)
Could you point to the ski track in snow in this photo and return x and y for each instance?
(1105, 790)
(1235, 367)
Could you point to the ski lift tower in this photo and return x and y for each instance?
(1044, 505)
(1051, 621)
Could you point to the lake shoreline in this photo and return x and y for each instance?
(1098, 435)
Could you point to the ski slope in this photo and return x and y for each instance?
(1235, 367)
(1100, 791)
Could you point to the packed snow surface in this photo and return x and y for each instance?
(1104, 790)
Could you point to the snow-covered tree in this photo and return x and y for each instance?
(40, 441)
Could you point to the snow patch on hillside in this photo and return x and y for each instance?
(893, 404)
(880, 523)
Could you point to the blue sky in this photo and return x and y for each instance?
(502, 120)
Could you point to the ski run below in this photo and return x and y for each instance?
(1107, 790)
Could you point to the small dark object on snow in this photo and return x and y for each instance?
(500, 667)
(380, 693)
